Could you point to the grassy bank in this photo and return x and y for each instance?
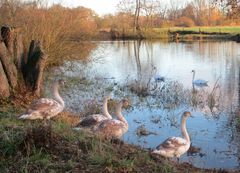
(210, 30)
(186, 33)
(30, 146)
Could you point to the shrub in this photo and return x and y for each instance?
(185, 22)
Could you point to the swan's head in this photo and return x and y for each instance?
(61, 82)
(193, 71)
(187, 114)
(125, 103)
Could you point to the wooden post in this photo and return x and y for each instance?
(4, 86)
(8, 66)
(33, 69)
(16, 68)
(7, 37)
(19, 57)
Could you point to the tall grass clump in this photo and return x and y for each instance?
(56, 27)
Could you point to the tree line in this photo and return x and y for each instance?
(155, 13)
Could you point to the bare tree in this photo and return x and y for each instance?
(132, 7)
(151, 9)
(141, 9)
(231, 7)
(174, 9)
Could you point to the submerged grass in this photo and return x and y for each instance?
(30, 146)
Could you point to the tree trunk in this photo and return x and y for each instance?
(4, 86)
(33, 69)
(136, 16)
(16, 68)
(7, 37)
(19, 58)
(8, 66)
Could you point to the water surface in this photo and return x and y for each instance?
(127, 69)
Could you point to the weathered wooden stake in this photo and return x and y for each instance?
(33, 69)
(16, 69)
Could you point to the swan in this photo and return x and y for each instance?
(198, 82)
(112, 127)
(175, 146)
(95, 119)
(159, 78)
(46, 108)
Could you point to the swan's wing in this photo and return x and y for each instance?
(43, 104)
(92, 120)
(200, 81)
(110, 126)
(172, 143)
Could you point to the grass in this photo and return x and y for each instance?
(217, 29)
(214, 32)
(34, 147)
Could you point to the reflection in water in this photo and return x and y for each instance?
(128, 69)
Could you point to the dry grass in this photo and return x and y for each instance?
(55, 27)
(68, 118)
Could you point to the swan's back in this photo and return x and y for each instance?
(46, 107)
(42, 108)
(92, 120)
(172, 147)
(200, 82)
(111, 128)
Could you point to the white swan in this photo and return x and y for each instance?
(112, 127)
(46, 108)
(175, 146)
(95, 119)
(198, 82)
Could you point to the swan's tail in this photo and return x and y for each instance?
(29, 116)
(160, 152)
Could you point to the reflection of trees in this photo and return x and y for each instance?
(137, 45)
(143, 85)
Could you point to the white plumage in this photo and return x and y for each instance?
(46, 108)
(175, 146)
(198, 82)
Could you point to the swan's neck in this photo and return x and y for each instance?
(193, 76)
(56, 94)
(105, 109)
(119, 114)
(184, 130)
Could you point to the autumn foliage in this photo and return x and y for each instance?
(55, 26)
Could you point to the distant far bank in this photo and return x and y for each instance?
(176, 33)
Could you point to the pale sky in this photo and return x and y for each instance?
(99, 6)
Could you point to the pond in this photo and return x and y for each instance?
(127, 69)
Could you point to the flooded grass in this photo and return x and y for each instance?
(34, 147)
(158, 105)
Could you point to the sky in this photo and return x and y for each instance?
(100, 6)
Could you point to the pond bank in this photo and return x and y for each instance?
(175, 34)
(34, 147)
